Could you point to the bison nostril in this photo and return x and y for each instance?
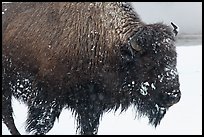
(173, 97)
(176, 95)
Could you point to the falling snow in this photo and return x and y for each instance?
(105, 127)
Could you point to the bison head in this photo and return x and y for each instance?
(149, 61)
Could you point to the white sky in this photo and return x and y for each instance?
(187, 15)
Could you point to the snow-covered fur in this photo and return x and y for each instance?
(87, 57)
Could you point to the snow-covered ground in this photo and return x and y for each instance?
(183, 118)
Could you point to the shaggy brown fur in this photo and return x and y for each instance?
(90, 57)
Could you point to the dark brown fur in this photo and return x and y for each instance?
(78, 55)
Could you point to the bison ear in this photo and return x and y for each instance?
(133, 40)
(135, 45)
(129, 50)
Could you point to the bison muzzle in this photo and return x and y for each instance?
(87, 57)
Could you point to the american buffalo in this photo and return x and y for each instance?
(88, 57)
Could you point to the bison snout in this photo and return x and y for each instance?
(170, 98)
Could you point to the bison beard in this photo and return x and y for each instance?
(87, 57)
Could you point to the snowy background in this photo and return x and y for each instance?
(184, 118)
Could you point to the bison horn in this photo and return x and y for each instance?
(175, 28)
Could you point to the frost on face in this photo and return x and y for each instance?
(160, 110)
(152, 86)
(171, 73)
(145, 86)
(160, 77)
(173, 94)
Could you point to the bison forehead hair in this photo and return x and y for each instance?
(88, 57)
